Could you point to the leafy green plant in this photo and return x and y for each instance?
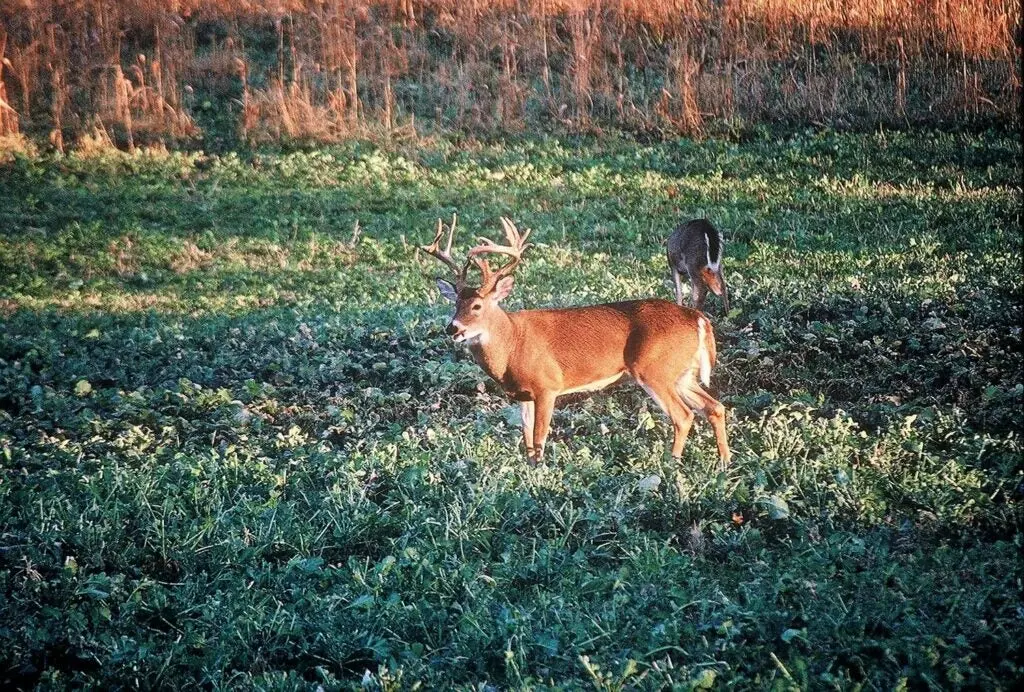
(238, 451)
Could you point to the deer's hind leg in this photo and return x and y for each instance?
(657, 377)
(690, 390)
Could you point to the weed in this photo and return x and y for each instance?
(237, 449)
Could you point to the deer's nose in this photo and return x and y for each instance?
(452, 329)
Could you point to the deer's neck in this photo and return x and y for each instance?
(494, 351)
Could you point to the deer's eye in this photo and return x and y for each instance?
(476, 308)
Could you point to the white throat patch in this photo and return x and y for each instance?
(472, 338)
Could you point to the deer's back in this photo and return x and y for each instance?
(688, 243)
(609, 330)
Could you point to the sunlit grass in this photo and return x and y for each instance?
(236, 445)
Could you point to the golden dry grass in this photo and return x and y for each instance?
(323, 70)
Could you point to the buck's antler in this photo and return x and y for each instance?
(516, 245)
(445, 256)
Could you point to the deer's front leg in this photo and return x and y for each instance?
(544, 406)
(526, 409)
(699, 291)
(679, 287)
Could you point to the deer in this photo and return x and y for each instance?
(695, 247)
(536, 356)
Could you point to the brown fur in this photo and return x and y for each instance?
(536, 355)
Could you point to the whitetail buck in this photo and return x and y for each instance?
(695, 247)
(537, 355)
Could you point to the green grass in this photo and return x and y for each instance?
(237, 449)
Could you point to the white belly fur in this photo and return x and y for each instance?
(594, 386)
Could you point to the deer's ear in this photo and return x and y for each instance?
(447, 289)
(503, 288)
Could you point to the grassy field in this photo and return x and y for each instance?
(238, 450)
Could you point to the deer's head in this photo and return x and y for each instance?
(712, 278)
(477, 306)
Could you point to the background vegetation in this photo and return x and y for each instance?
(237, 450)
(228, 70)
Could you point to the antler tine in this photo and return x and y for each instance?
(445, 256)
(517, 244)
(488, 246)
(451, 234)
(513, 235)
(487, 277)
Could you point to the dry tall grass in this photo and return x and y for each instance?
(144, 69)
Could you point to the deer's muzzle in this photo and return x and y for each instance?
(454, 330)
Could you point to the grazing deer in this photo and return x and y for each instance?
(696, 248)
(537, 355)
